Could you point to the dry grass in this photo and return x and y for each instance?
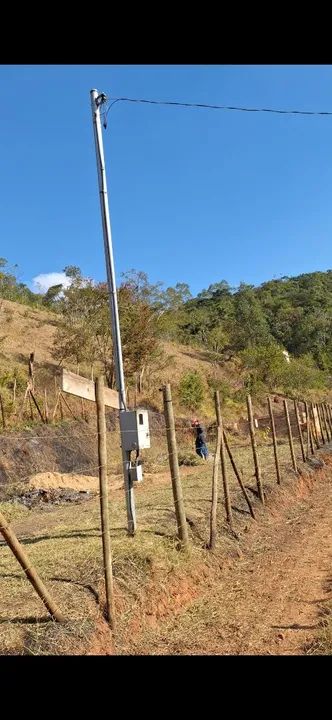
(27, 329)
(65, 546)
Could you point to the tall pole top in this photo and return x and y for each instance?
(97, 98)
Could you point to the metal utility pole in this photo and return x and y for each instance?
(97, 100)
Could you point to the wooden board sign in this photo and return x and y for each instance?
(84, 388)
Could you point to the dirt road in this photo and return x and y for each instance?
(271, 599)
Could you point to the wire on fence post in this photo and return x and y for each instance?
(274, 438)
(174, 467)
(103, 498)
(254, 451)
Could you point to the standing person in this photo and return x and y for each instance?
(200, 440)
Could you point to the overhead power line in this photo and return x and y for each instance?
(206, 106)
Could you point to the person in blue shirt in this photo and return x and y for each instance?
(200, 440)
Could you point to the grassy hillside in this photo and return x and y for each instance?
(225, 339)
(25, 329)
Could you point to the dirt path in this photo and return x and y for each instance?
(268, 602)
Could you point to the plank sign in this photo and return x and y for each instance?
(84, 388)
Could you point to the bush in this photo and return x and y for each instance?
(224, 388)
(188, 458)
(264, 365)
(301, 375)
(191, 390)
(7, 378)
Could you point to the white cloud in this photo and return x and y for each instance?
(42, 282)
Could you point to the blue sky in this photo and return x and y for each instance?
(196, 196)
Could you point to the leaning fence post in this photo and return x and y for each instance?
(103, 499)
(299, 429)
(30, 404)
(228, 504)
(174, 467)
(29, 570)
(31, 395)
(254, 451)
(238, 477)
(274, 438)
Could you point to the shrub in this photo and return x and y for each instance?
(191, 390)
(188, 458)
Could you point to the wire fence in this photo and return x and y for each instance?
(40, 462)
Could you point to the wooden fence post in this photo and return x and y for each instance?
(214, 501)
(103, 498)
(254, 451)
(329, 415)
(316, 421)
(56, 406)
(46, 406)
(29, 570)
(228, 504)
(328, 433)
(174, 467)
(2, 413)
(274, 438)
(238, 477)
(37, 406)
(31, 371)
(321, 421)
(299, 429)
(24, 401)
(68, 406)
(314, 429)
(30, 404)
(308, 430)
(290, 436)
(60, 406)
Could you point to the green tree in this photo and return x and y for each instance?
(250, 325)
(84, 329)
(191, 390)
(52, 295)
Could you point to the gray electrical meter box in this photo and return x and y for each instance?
(135, 433)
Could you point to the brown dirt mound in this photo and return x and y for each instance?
(56, 480)
(48, 480)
